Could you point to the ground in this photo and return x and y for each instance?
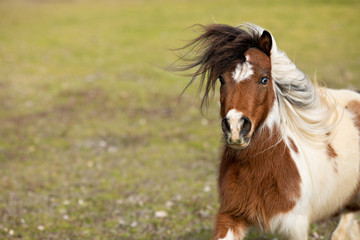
(96, 142)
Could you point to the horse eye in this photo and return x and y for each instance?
(221, 79)
(264, 80)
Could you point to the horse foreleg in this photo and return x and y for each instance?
(348, 228)
(229, 228)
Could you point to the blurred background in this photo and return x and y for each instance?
(95, 143)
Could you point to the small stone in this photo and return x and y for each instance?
(133, 224)
(169, 204)
(102, 143)
(161, 214)
(41, 228)
(121, 222)
(203, 213)
(316, 235)
(207, 189)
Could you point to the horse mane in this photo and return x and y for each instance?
(213, 52)
(304, 108)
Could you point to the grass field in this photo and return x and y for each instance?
(95, 143)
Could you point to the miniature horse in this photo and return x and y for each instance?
(291, 152)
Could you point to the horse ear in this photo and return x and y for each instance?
(265, 42)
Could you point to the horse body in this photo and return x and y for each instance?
(334, 168)
(285, 204)
(292, 150)
(329, 173)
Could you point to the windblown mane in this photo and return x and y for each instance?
(213, 52)
(304, 108)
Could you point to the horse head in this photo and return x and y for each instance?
(240, 60)
(247, 93)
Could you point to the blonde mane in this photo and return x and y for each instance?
(306, 109)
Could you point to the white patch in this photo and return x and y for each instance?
(234, 114)
(292, 225)
(235, 122)
(229, 236)
(273, 118)
(243, 71)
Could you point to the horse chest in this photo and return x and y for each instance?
(258, 186)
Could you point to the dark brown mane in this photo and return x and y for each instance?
(213, 52)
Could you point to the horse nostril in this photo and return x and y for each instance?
(246, 127)
(225, 125)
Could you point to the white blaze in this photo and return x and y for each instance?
(235, 122)
(234, 116)
(243, 70)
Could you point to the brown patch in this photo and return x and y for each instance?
(332, 155)
(225, 222)
(331, 151)
(258, 182)
(293, 146)
(354, 107)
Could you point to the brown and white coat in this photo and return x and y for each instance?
(291, 152)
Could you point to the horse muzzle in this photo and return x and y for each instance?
(236, 130)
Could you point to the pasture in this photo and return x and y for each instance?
(96, 142)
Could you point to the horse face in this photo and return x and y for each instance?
(246, 96)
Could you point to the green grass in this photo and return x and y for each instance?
(94, 140)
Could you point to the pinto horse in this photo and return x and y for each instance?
(291, 153)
